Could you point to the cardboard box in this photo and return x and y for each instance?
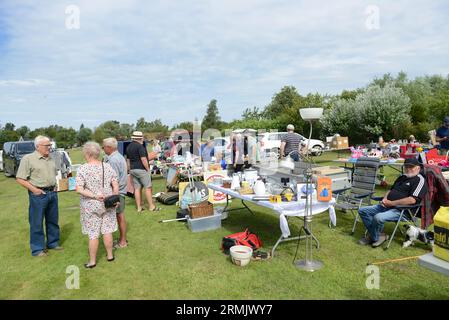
(62, 185)
(325, 170)
(340, 143)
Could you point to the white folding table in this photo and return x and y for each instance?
(284, 209)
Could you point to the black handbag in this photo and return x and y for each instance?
(111, 201)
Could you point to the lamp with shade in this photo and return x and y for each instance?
(308, 264)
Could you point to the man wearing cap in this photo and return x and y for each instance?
(408, 189)
(442, 136)
(37, 173)
(138, 164)
(290, 144)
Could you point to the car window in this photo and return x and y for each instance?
(24, 148)
(7, 147)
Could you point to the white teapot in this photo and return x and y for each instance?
(259, 188)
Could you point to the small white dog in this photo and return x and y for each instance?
(413, 233)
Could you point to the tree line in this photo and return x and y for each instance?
(390, 106)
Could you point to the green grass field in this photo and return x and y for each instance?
(167, 261)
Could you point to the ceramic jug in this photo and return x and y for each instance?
(259, 188)
(235, 182)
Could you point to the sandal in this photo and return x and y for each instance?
(260, 255)
(112, 259)
(156, 209)
(117, 245)
(90, 266)
(142, 209)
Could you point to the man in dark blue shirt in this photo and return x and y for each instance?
(207, 151)
(443, 137)
(408, 189)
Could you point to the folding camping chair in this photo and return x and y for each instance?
(362, 187)
(409, 214)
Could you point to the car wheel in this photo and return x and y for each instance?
(317, 150)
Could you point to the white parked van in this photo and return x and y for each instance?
(271, 142)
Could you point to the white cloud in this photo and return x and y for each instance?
(25, 82)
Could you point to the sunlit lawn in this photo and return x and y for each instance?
(168, 261)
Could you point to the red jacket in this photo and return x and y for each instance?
(437, 194)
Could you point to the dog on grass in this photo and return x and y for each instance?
(413, 234)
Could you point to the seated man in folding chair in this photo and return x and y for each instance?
(407, 190)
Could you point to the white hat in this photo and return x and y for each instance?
(137, 135)
(290, 127)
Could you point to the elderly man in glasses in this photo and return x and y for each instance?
(37, 173)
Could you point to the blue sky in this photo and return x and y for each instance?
(168, 59)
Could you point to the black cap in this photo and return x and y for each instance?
(411, 162)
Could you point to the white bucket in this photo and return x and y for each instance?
(241, 255)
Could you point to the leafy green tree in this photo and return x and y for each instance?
(125, 131)
(375, 112)
(37, 132)
(383, 111)
(24, 132)
(8, 135)
(111, 128)
(252, 114)
(212, 118)
(286, 101)
(66, 138)
(100, 134)
(155, 126)
(141, 125)
(350, 94)
(262, 124)
(83, 135)
(342, 119)
(187, 125)
(9, 126)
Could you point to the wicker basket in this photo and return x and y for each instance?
(202, 209)
(227, 184)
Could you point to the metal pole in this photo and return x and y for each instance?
(308, 264)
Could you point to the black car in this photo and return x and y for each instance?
(13, 152)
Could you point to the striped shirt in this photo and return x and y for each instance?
(404, 187)
(292, 141)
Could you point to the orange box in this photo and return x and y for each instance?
(324, 189)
